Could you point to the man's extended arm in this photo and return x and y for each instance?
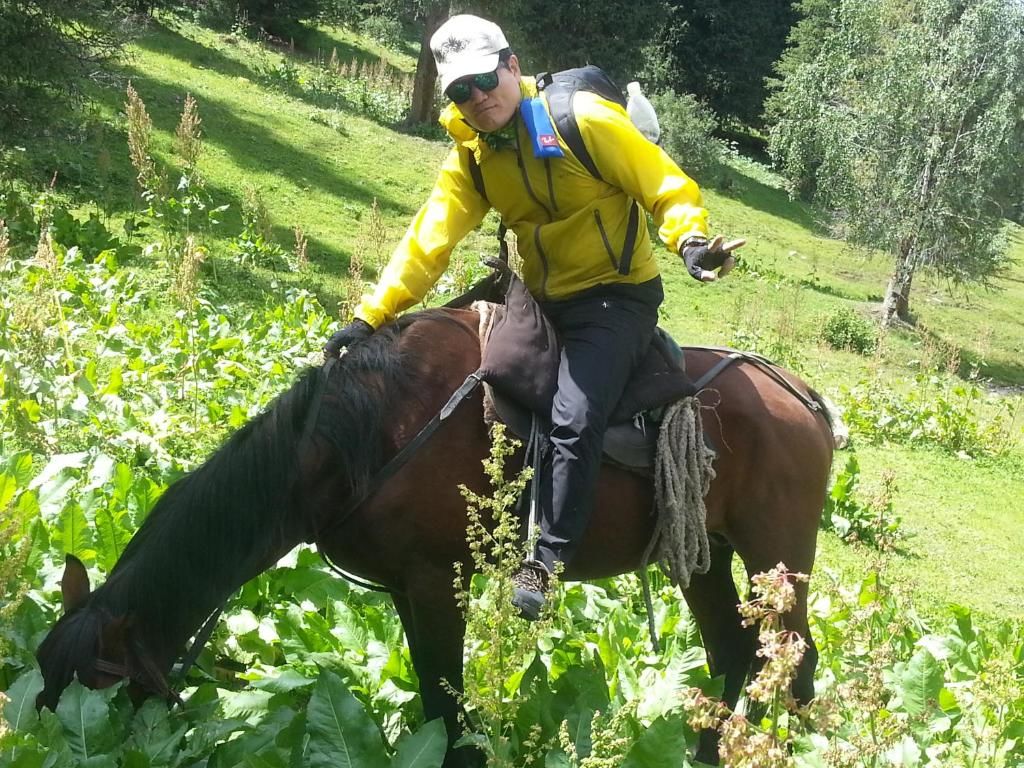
(452, 211)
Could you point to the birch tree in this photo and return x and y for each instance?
(906, 123)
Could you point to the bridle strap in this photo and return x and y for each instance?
(201, 639)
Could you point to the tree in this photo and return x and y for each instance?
(422, 110)
(906, 123)
(47, 48)
(613, 34)
(721, 51)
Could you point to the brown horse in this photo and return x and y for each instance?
(278, 482)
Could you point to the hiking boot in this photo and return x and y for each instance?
(530, 585)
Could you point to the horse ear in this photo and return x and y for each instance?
(74, 584)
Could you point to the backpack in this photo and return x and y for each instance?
(560, 88)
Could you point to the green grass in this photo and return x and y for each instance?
(963, 523)
(965, 516)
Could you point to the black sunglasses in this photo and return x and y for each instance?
(461, 90)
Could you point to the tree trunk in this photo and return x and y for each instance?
(422, 110)
(896, 304)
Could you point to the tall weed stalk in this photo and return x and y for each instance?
(500, 645)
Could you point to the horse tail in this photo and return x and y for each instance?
(833, 417)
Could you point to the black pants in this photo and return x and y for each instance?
(605, 332)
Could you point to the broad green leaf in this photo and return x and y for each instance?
(115, 382)
(83, 713)
(53, 494)
(74, 536)
(905, 753)
(341, 734)
(921, 683)
(20, 711)
(153, 733)
(112, 535)
(228, 342)
(423, 749)
(31, 410)
(8, 487)
(57, 465)
(662, 745)
(25, 757)
(288, 680)
(580, 722)
(258, 739)
(100, 472)
(19, 466)
(246, 704)
(556, 758)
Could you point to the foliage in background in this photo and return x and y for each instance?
(906, 123)
(374, 89)
(721, 51)
(553, 36)
(47, 49)
(687, 126)
(958, 418)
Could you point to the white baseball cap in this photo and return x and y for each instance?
(466, 45)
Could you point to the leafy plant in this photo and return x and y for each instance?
(873, 523)
(254, 246)
(957, 418)
(845, 329)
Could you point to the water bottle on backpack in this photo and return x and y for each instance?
(642, 113)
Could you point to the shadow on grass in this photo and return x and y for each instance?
(168, 42)
(770, 200)
(249, 143)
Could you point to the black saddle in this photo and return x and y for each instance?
(632, 431)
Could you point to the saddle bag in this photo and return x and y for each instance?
(520, 357)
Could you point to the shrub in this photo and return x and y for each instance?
(386, 30)
(845, 329)
(873, 523)
(686, 127)
(933, 414)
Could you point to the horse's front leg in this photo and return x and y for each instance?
(435, 630)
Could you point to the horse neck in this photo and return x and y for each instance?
(212, 531)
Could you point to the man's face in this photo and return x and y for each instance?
(488, 111)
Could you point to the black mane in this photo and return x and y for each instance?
(228, 520)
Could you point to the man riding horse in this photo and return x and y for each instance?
(586, 258)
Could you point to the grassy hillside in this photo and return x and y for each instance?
(320, 164)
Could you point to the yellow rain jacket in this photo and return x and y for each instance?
(571, 226)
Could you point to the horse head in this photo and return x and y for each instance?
(100, 648)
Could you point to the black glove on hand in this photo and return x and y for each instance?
(702, 258)
(697, 257)
(355, 331)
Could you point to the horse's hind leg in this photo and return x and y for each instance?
(712, 598)
(435, 630)
(793, 544)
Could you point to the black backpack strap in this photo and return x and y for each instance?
(560, 88)
(478, 182)
(560, 102)
(478, 176)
